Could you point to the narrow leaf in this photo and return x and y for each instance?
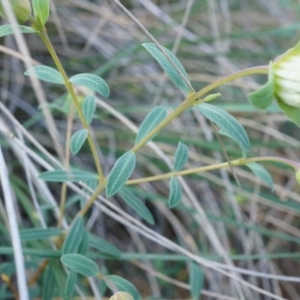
(60, 277)
(124, 286)
(10, 29)
(136, 204)
(88, 108)
(157, 115)
(45, 73)
(80, 264)
(41, 10)
(263, 97)
(85, 243)
(181, 156)
(196, 280)
(69, 175)
(33, 234)
(74, 237)
(103, 246)
(120, 173)
(261, 173)
(48, 284)
(168, 67)
(77, 140)
(228, 124)
(175, 192)
(92, 82)
(70, 285)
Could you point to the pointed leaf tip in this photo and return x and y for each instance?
(228, 124)
(88, 108)
(80, 264)
(45, 73)
(261, 173)
(77, 140)
(175, 192)
(181, 156)
(154, 117)
(164, 62)
(196, 280)
(41, 10)
(125, 286)
(120, 173)
(92, 82)
(136, 204)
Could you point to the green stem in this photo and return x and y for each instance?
(100, 188)
(231, 77)
(236, 162)
(189, 101)
(45, 38)
(176, 112)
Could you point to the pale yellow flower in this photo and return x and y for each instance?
(287, 77)
(21, 9)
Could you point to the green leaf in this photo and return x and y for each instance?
(92, 82)
(85, 243)
(120, 173)
(73, 175)
(124, 286)
(80, 264)
(10, 29)
(41, 10)
(70, 285)
(175, 192)
(48, 286)
(33, 234)
(261, 173)
(88, 108)
(263, 97)
(196, 280)
(228, 124)
(103, 246)
(181, 156)
(292, 112)
(74, 237)
(136, 204)
(46, 74)
(60, 277)
(157, 115)
(211, 97)
(168, 67)
(77, 140)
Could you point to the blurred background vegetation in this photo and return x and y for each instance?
(212, 38)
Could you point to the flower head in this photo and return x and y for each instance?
(287, 77)
(283, 85)
(21, 9)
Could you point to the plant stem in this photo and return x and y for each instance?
(45, 38)
(236, 162)
(189, 101)
(100, 188)
(231, 77)
(63, 193)
(176, 112)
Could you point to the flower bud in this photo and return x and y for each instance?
(121, 296)
(298, 176)
(21, 9)
(287, 77)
